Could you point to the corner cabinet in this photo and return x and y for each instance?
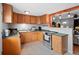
(7, 13)
(44, 19)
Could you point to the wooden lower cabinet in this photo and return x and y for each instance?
(59, 44)
(40, 36)
(11, 46)
(27, 37)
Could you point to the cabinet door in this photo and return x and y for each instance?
(11, 46)
(33, 36)
(20, 18)
(33, 20)
(60, 44)
(36, 36)
(41, 20)
(25, 37)
(57, 43)
(38, 20)
(44, 19)
(22, 38)
(14, 20)
(7, 13)
(40, 36)
(27, 19)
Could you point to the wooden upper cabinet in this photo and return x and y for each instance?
(14, 20)
(7, 13)
(38, 20)
(33, 20)
(20, 18)
(44, 19)
(41, 20)
(27, 19)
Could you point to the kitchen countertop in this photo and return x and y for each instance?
(51, 32)
(14, 35)
(59, 34)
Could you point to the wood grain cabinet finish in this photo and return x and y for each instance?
(29, 19)
(22, 38)
(33, 20)
(40, 36)
(44, 19)
(59, 44)
(26, 19)
(37, 36)
(27, 37)
(15, 18)
(11, 46)
(38, 20)
(7, 13)
(20, 18)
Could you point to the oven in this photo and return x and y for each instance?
(47, 40)
(47, 37)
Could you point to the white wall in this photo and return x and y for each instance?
(0, 28)
(68, 31)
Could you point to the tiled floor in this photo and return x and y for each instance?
(37, 48)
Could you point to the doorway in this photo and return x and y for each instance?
(76, 37)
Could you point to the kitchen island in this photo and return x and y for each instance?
(59, 43)
(11, 45)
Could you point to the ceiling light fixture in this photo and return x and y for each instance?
(69, 15)
(53, 18)
(59, 16)
(26, 12)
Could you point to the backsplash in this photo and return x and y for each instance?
(4, 26)
(22, 26)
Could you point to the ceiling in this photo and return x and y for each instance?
(38, 9)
